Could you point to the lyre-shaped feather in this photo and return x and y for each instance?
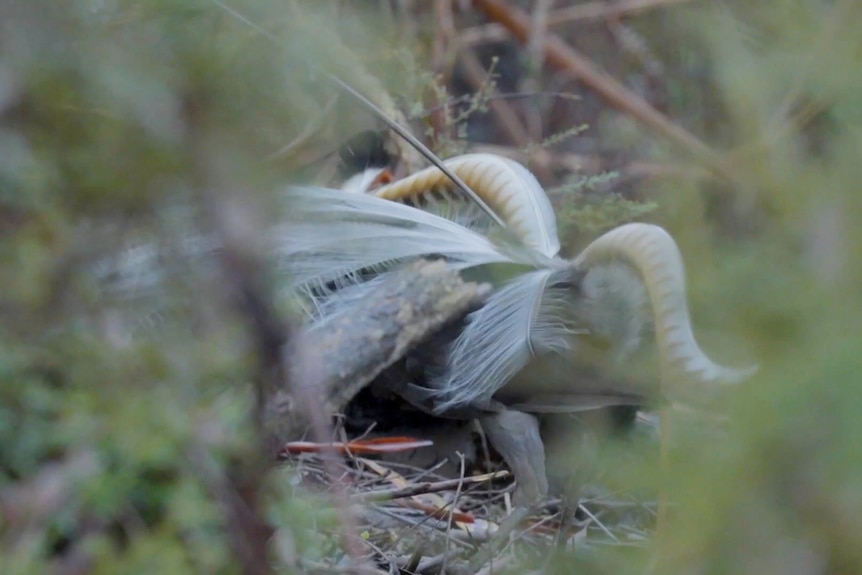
(506, 187)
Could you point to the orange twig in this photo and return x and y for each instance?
(377, 445)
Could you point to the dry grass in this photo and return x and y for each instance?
(421, 520)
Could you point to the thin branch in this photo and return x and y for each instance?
(486, 553)
(607, 10)
(782, 123)
(426, 487)
(597, 164)
(563, 56)
(588, 11)
(535, 48)
(422, 148)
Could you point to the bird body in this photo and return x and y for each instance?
(555, 336)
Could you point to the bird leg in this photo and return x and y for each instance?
(515, 436)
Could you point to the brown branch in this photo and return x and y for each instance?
(563, 56)
(237, 488)
(248, 532)
(595, 164)
(442, 58)
(610, 10)
(607, 10)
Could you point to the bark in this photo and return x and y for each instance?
(331, 362)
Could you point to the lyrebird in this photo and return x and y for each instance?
(549, 334)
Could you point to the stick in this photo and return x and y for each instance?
(425, 487)
(353, 348)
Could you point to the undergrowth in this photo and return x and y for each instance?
(141, 454)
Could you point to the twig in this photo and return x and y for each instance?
(428, 522)
(486, 553)
(449, 519)
(509, 122)
(242, 268)
(248, 532)
(535, 47)
(276, 375)
(560, 54)
(607, 10)
(481, 72)
(595, 164)
(422, 148)
(426, 487)
(599, 523)
(442, 58)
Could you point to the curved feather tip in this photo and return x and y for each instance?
(656, 257)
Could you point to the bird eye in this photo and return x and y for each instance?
(363, 150)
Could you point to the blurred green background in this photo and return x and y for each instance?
(116, 452)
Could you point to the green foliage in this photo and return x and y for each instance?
(782, 490)
(114, 118)
(583, 211)
(554, 139)
(114, 113)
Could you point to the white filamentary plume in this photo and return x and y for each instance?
(331, 236)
